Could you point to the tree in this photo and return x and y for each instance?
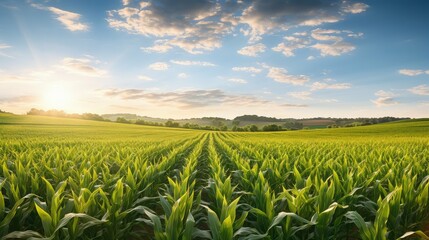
(235, 123)
(217, 122)
(141, 122)
(170, 123)
(92, 116)
(35, 111)
(122, 120)
(271, 127)
(253, 128)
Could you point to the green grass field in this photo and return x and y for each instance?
(76, 179)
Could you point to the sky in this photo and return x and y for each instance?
(223, 58)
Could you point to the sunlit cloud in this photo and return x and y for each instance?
(159, 66)
(413, 72)
(14, 78)
(332, 100)
(200, 26)
(69, 19)
(260, 18)
(237, 80)
(326, 35)
(247, 69)
(384, 98)
(126, 2)
(335, 86)
(193, 63)
(182, 75)
(2, 48)
(27, 77)
(187, 99)
(301, 95)
(82, 66)
(292, 43)
(20, 99)
(354, 8)
(330, 42)
(252, 50)
(334, 49)
(157, 48)
(280, 75)
(182, 24)
(290, 105)
(145, 78)
(420, 90)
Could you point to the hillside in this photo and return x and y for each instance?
(405, 128)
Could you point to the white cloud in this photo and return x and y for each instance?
(332, 100)
(158, 48)
(197, 26)
(4, 46)
(144, 4)
(252, 50)
(159, 66)
(192, 63)
(355, 8)
(384, 99)
(69, 19)
(82, 66)
(266, 16)
(145, 78)
(292, 43)
(247, 69)
(334, 49)
(301, 95)
(420, 90)
(326, 35)
(354, 35)
(237, 80)
(412, 72)
(324, 85)
(182, 75)
(280, 75)
(310, 58)
(26, 99)
(329, 42)
(291, 105)
(186, 25)
(187, 99)
(302, 34)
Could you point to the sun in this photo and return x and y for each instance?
(57, 97)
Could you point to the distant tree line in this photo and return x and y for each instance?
(266, 128)
(354, 122)
(218, 124)
(256, 118)
(61, 113)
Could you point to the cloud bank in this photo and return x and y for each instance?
(197, 26)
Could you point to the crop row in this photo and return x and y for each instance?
(213, 186)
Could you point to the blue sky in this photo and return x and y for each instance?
(195, 58)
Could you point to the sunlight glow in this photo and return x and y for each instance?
(57, 97)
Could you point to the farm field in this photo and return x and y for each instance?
(78, 179)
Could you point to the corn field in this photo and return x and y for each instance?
(95, 182)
